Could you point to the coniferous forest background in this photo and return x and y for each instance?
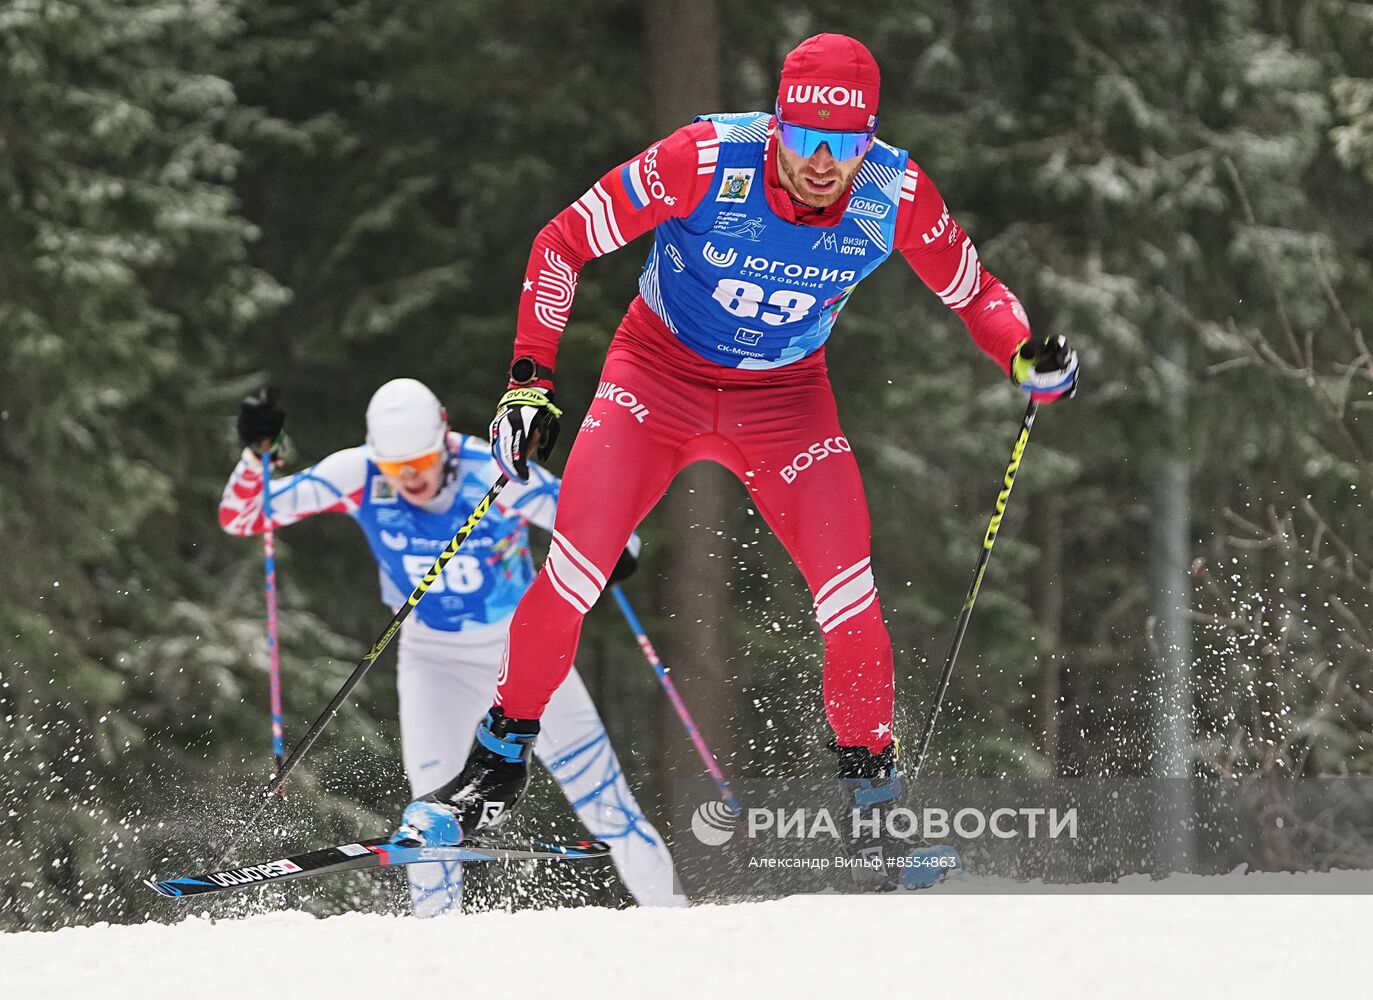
(198, 197)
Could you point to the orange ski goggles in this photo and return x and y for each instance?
(417, 464)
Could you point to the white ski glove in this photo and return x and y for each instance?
(526, 420)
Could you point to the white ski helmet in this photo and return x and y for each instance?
(405, 420)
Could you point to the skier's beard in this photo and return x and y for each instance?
(801, 191)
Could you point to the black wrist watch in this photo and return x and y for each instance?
(525, 371)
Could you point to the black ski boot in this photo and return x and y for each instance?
(871, 786)
(487, 788)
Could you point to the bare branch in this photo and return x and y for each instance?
(1338, 307)
(1268, 262)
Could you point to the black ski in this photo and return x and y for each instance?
(377, 853)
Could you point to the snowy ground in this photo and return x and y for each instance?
(923, 945)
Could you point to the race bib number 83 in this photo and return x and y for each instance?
(745, 300)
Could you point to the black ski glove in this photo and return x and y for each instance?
(261, 421)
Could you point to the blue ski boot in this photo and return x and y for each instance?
(871, 785)
(487, 788)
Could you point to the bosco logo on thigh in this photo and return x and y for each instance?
(817, 452)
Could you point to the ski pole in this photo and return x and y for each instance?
(269, 561)
(707, 758)
(988, 540)
(299, 751)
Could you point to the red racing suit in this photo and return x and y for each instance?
(662, 404)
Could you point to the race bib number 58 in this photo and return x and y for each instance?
(462, 575)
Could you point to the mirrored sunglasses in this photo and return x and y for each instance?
(805, 141)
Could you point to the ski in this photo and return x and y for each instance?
(378, 853)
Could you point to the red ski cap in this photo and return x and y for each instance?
(830, 82)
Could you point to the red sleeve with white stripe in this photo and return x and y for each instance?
(334, 486)
(668, 180)
(943, 255)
